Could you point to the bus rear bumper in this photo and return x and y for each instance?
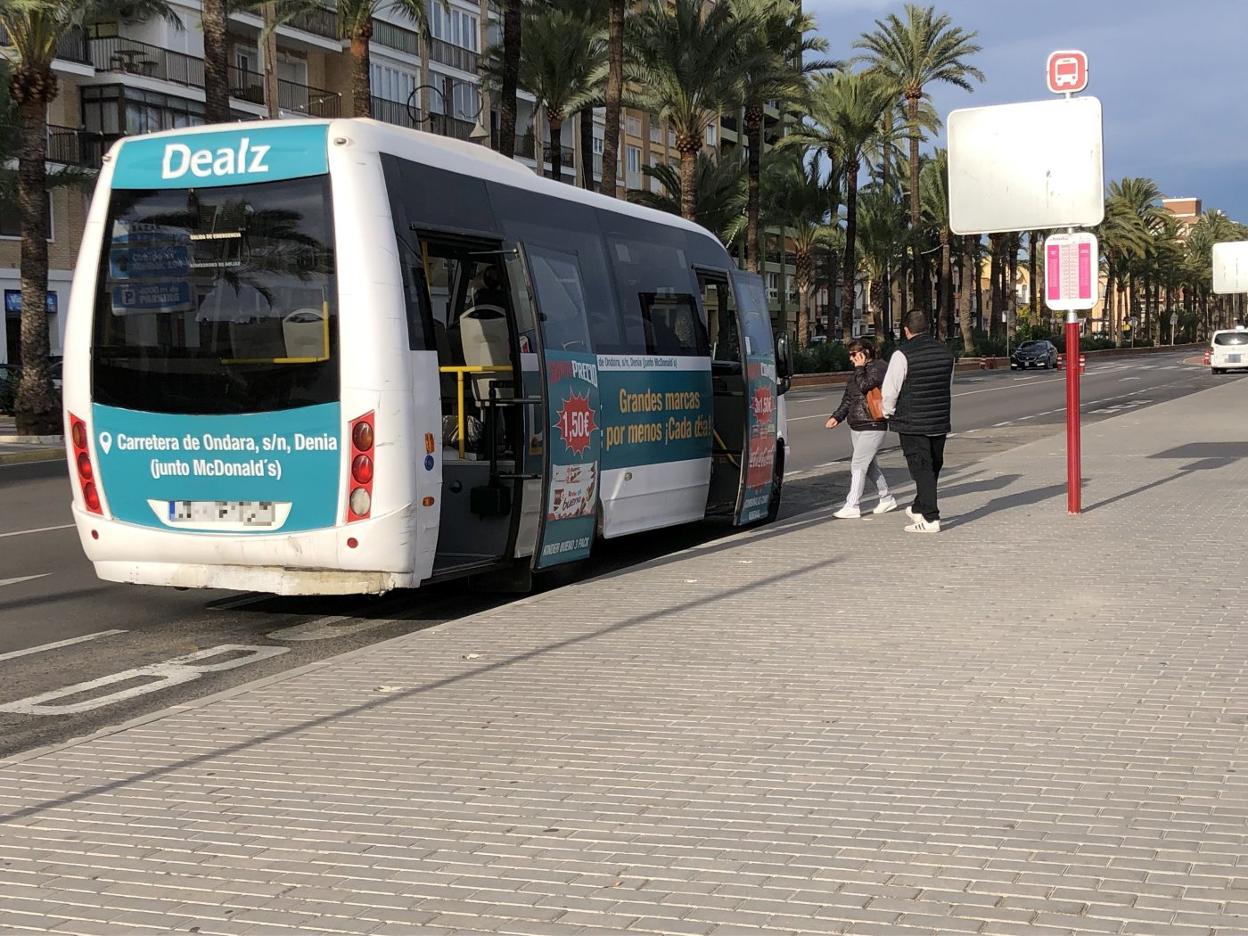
(269, 579)
(316, 562)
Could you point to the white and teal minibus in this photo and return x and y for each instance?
(336, 357)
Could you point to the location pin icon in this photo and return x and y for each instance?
(106, 441)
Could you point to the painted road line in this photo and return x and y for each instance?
(1124, 379)
(23, 578)
(14, 654)
(155, 677)
(63, 526)
(328, 628)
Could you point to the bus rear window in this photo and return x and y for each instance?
(217, 300)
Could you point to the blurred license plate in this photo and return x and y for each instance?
(1232, 359)
(248, 513)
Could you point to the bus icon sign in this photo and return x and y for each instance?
(1067, 71)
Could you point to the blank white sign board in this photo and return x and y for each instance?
(1026, 167)
(1230, 267)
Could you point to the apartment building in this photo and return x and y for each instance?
(130, 77)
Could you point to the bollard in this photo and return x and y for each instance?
(1083, 364)
(1074, 479)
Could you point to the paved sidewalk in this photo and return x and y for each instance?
(1028, 724)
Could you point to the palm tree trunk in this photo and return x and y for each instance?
(272, 98)
(36, 407)
(754, 169)
(803, 263)
(688, 149)
(849, 266)
(511, 77)
(1111, 309)
(968, 288)
(994, 278)
(615, 93)
(1011, 298)
(216, 62)
(361, 80)
(554, 123)
(946, 281)
(922, 293)
(1033, 287)
(585, 124)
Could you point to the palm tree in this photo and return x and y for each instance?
(845, 110)
(213, 18)
(935, 197)
(1137, 203)
(513, 31)
(615, 94)
(774, 68)
(561, 57)
(719, 194)
(684, 67)
(912, 54)
(795, 199)
(35, 27)
(355, 24)
(882, 223)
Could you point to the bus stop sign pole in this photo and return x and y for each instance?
(1074, 471)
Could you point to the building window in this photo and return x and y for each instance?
(656, 131)
(598, 146)
(633, 126)
(11, 224)
(393, 84)
(655, 185)
(114, 110)
(671, 139)
(453, 26)
(710, 134)
(634, 159)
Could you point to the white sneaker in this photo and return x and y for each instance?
(924, 526)
(884, 506)
(848, 513)
(912, 515)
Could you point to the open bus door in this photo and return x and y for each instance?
(744, 479)
(762, 466)
(569, 461)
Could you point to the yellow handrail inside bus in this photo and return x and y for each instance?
(459, 372)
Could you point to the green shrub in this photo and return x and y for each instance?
(8, 391)
(822, 359)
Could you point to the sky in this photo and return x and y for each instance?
(1171, 75)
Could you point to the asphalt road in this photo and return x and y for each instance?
(78, 654)
(996, 399)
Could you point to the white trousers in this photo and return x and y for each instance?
(865, 465)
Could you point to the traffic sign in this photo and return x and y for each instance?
(1067, 71)
(1071, 265)
(1230, 267)
(1054, 181)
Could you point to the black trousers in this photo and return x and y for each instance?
(925, 455)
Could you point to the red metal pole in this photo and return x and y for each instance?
(1073, 459)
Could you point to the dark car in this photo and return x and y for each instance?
(1034, 354)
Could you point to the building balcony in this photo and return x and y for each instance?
(453, 55)
(74, 146)
(132, 57)
(395, 112)
(71, 47)
(320, 21)
(396, 37)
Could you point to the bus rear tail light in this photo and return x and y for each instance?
(360, 484)
(82, 464)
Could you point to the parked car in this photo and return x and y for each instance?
(11, 375)
(1228, 350)
(1034, 354)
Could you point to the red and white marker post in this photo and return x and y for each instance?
(1070, 286)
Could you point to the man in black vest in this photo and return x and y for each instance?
(918, 395)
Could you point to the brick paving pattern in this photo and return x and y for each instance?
(1027, 724)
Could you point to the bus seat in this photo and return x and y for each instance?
(486, 338)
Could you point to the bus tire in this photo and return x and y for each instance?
(777, 485)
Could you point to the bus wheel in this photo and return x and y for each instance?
(777, 485)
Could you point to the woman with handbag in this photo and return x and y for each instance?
(863, 405)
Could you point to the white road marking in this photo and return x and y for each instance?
(327, 628)
(799, 418)
(14, 654)
(1123, 379)
(164, 675)
(23, 578)
(63, 526)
